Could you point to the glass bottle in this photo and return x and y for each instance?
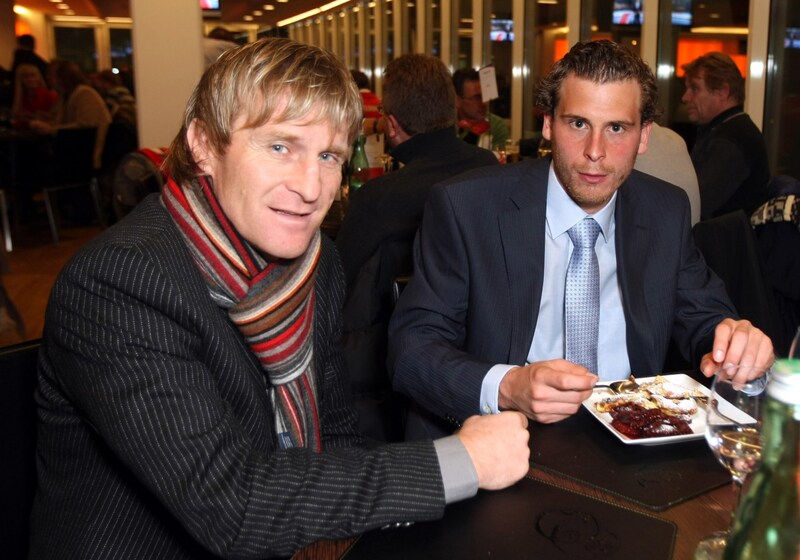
(767, 524)
(359, 165)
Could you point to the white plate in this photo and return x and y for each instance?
(698, 423)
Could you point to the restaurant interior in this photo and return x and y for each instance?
(521, 39)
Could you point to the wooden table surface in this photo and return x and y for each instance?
(694, 518)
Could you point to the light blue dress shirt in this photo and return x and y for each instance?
(548, 337)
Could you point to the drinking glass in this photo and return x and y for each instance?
(794, 349)
(733, 432)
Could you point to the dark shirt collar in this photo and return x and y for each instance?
(724, 115)
(425, 143)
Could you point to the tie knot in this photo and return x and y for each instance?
(584, 233)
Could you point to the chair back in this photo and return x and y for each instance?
(17, 446)
(729, 247)
(73, 155)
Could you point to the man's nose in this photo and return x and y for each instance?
(595, 146)
(305, 180)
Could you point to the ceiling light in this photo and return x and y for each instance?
(258, 13)
(63, 6)
(268, 7)
(248, 18)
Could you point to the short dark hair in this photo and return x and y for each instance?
(361, 79)
(418, 91)
(27, 41)
(601, 62)
(464, 75)
(719, 70)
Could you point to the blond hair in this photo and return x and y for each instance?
(273, 79)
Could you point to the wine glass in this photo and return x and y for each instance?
(794, 349)
(733, 432)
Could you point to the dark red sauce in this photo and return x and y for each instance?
(638, 422)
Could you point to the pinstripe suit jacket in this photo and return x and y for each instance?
(155, 426)
(473, 300)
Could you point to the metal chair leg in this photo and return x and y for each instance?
(94, 189)
(50, 215)
(6, 225)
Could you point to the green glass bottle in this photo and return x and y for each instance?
(358, 172)
(767, 523)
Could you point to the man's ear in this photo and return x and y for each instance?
(390, 125)
(644, 137)
(198, 143)
(547, 127)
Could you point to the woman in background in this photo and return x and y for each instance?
(32, 98)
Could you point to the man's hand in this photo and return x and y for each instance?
(546, 391)
(738, 343)
(498, 447)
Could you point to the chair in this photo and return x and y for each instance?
(71, 166)
(17, 446)
(730, 248)
(6, 224)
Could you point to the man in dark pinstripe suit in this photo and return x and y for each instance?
(191, 398)
(482, 324)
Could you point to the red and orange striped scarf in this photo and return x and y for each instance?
(272, 304)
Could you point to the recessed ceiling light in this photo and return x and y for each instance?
(258, 13)
(248, 18)
(268, 7)
(63, 6)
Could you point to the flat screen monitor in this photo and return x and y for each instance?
(792, 40)
(209, 4)
(629, 12)
(502, 30)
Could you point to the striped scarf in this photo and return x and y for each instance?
(272, 304)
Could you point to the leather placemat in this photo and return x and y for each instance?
(655, 477)
(532, 519)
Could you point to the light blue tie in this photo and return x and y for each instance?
(582, 296)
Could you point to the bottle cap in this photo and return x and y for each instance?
(784, 384)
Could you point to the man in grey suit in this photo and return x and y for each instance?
(191, 395)
(481, 327)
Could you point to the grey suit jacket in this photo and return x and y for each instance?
(474, 297)
(155, 426)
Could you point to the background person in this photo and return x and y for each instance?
(382, 218)
(476, 125)
(32, 98)
(484, 326)
(729, 153)
(174, 423)
(79, 105)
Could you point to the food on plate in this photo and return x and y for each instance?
(657, 408)
(637, 422)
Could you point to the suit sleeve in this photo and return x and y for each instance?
(122, 344)
(428, 329)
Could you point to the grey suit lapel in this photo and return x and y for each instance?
(522, 233)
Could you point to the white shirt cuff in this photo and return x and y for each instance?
(490, 388)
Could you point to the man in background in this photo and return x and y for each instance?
(534, 280)
(382, 218)
(476, 125)
(729, 152)
(191, 397)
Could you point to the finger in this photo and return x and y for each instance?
(722, 336)
(738, 343)
(708, 366)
